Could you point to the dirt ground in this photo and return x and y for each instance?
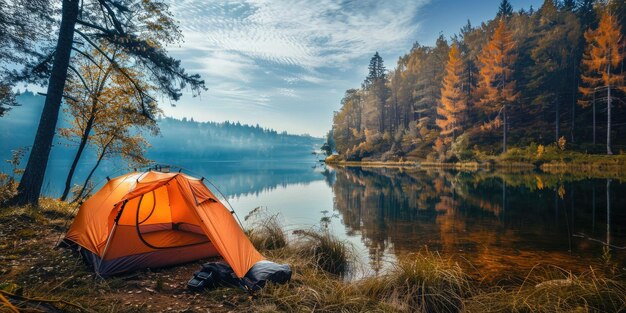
(35, 275)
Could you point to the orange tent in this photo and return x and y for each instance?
(154, 219)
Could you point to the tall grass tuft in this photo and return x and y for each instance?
(553, 289)
(325, 250)
(421, 282)
(265, 231)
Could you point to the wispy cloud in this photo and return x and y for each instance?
(225, 65)
(300, 33)
(238, 97)
(287, 92)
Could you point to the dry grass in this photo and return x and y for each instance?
(326, 251)
(267, 234)
(30, 268)
(421, 282)
(555, 290)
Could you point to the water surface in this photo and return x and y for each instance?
(496, 224)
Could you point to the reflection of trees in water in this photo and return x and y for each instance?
(496, 220)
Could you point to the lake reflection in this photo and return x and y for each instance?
(500, 223)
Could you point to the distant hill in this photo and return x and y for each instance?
(227, 141)
(181, 142)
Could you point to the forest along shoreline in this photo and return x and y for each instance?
(540, 89)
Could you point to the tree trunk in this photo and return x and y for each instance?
(503, 196)
(381, 102)
(573, 117)
(504, 130)
(608, 114)
(93, 170)
(557, 122)
(30, 185)
(594, 120)
(79, 152)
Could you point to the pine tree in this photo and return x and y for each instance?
(497, 85)
(428, 81)
(601, 64)
(375, 84)
(505, 9)
(554, 55)
(569, 5)
(453, 98)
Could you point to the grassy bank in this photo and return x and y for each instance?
(548, 159)
(37, 277)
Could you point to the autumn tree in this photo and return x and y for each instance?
(497, 84)
(139, 28)
(347, 122)
(453, 97)
(604, 53)
(119, 137)
(618, 9)
(100, 98)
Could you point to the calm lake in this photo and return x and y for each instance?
(498, 224)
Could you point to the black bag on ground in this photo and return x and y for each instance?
(201, 280)
(215, 274)
(264, 271)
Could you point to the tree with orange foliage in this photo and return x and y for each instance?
(604, 53)
(497, 85)
(104, 112)
(453, 97)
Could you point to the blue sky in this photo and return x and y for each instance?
(285, 64)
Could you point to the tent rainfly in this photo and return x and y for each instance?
(153, 219)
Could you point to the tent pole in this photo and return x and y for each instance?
(106, 246)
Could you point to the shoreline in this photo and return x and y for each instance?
(594, 165)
